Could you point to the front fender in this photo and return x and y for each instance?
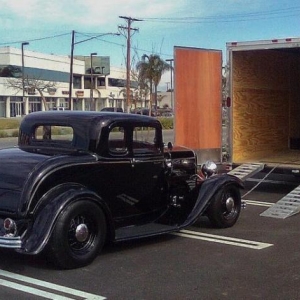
(46, 215)
(208, 188)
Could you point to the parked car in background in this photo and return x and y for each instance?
(143, 111)
(112, 109)
(58, 108)
(78, 179)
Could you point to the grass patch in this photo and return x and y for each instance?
(9, 123)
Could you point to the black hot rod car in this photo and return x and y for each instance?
(78, 179)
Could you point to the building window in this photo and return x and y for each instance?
(121, 82)
(33, 73)
(77, 82)
(100, 81)
(116, 82)
(10, 71)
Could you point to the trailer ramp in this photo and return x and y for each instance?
(287, 206)
(245, 171)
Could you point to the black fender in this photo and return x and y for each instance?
(46, 214)
(207, 190)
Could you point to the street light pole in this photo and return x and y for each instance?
(73, 43)
(23, 77)
(71, 68)
(92, 106)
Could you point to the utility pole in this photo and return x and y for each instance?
(128, 29)
(171, 65)
(71, 70)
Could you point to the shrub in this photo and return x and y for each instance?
(167, 123)
(15, 133)
(3, 134)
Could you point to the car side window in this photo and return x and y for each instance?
(117, 141)
(145, 141)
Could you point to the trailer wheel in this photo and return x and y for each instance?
(225, 207)
(78, 235)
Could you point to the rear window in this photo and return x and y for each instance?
(57, 133)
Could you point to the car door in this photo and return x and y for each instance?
(130, 173)
(148, 164)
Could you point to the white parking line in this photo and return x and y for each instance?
(258, 203)
(222, 239)
(30, 290)
(62, 290)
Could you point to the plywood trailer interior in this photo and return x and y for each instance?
(266, 106)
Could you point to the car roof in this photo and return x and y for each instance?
(88, 117)
(86, 124)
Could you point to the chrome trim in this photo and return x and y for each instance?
(10, 242)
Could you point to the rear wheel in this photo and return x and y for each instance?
(78, 235)
(225, 207)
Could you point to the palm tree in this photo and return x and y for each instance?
(151, 69)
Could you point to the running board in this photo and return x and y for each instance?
(150, 229)
(245, 171)
(287, 206)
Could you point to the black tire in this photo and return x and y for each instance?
(225, 207)
(78, 235)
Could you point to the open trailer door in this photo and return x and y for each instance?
(198, 101)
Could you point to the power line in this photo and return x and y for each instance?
(252, 16)
(84, 34)
(37, 39)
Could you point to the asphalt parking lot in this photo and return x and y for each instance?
(256, 259)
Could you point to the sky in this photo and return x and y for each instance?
(158, 25)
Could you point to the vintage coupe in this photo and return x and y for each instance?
(78, 179)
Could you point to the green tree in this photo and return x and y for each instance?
(151, 69)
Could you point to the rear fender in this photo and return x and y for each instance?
(208, 188)
(46, 214)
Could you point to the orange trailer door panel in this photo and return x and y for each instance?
(198, 101)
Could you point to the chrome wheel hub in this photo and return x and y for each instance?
(229, 204)
(81, 233)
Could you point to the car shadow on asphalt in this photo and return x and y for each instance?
(109, 248)
(16, 262)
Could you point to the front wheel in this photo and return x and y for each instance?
(225, 207)
(78, 235)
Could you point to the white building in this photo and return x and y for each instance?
(108, 89)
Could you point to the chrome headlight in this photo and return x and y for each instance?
(209, 168)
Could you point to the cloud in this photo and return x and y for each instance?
(99, 16)
(78, 13)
